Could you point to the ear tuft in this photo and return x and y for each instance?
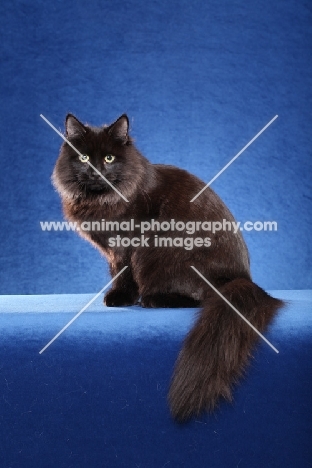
(119, 129)
(74, 128)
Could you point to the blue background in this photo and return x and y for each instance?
(198, 81)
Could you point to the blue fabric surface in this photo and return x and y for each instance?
(97, 396)
(198, 80)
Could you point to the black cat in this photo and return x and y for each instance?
(217, 349)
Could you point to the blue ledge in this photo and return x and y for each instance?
(99, 391)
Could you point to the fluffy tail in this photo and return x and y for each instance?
(217, 349)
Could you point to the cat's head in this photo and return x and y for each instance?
(110, 150)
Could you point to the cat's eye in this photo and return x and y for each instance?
(109, 158)
(84, 158)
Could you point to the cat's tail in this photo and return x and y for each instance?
(217, 349)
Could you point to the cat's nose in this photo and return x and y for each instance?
(95, 176)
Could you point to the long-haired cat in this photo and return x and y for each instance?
(217, 349)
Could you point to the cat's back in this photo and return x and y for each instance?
(176, 178)
(177, 187)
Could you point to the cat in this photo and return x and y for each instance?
(217, 349)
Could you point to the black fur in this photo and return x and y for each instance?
(217, 349)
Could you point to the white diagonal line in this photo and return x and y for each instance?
(81, 155)
(235, 310)
(60, 134)
(82, 310)
(233, 159)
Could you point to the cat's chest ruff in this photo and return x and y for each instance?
(95, 211)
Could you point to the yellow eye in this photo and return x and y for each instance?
(84, 158)
(109, 158)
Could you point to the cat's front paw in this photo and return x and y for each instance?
(119, 298)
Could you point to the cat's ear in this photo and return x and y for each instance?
(74, 128)
(119, 129)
